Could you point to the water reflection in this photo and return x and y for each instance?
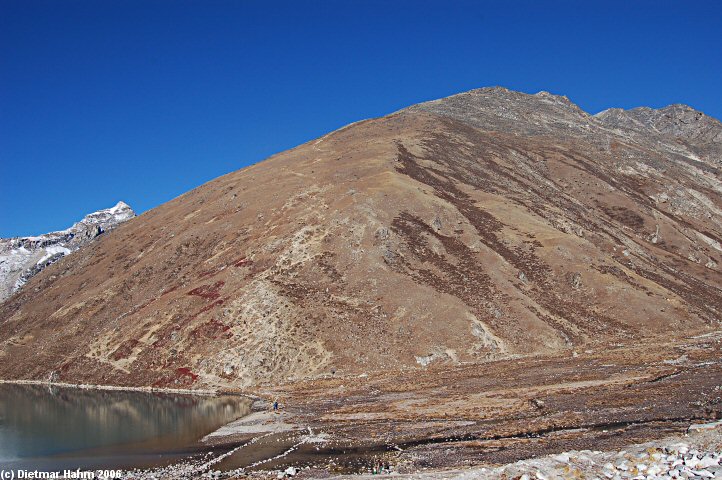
(42, 427)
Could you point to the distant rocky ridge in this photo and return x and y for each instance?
(678, 129)
(23, 257)
(693, 134)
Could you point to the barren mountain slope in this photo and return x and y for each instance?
(490, 224)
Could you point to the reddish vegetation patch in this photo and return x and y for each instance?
(210, 273)
(171, 289)
(209, 292)
(124, 350)
(145, 305)
(213, 329)
(207, 307)
(241, 262)
(165, 334)
(186, 372)
(181, 377)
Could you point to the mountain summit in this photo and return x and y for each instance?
(23, 257)
(490, 224)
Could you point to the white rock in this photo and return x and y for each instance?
(704, 426)
(702, 473)
(563, 457)
(707, 461)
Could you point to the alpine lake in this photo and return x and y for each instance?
(51, 428)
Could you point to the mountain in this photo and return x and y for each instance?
(23, 257)
(488, 225)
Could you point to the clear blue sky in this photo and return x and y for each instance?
(103, 100)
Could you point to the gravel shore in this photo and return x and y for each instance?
(696, 455)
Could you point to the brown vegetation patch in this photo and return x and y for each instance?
(212, 329)
(124, 349)
(209, 292)
(625, 216)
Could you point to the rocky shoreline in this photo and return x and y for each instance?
(695, 455)
(83, 386)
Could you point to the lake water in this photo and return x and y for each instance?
(50, 428)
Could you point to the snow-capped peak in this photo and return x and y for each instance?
(119, 207)
(23, 257)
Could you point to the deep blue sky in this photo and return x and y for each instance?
(144, 100)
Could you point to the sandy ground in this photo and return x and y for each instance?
(254, 424)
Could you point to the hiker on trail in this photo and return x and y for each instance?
(275, 406)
